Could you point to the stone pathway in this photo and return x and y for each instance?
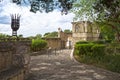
(59, 66)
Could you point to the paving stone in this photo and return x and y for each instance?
(60, 67)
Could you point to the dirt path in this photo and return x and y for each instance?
(59, 66)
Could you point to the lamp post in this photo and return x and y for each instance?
(15, 23)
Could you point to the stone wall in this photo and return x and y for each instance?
(64, 37)
(59, 42)
(14, 58)
(55, 43)
(5, 59)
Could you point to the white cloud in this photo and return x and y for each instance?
(31, 23)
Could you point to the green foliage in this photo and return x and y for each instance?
(112, 62)
(99, 42)
(45, 35)
(82, 42)
(105, 13)
(31, 37)
(101, 55)
(83, 48)
(83, 10)
(67, 31)
(113, 48)
(106, 9)
(38, 36)
(98, 50)
(108, 13)
(4, 35)
(38, 44)
(107, 32)
(51, 35)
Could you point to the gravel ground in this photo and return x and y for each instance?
(59, 66)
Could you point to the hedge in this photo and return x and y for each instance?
(83, 49)
(98, 50)
(103, 55)
(38, 44)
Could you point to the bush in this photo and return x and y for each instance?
(83, 49)
(38, 44)
(95, 54)
(108, 41)
(82, 42)
(98, 50)
(110, 50)
(99, 42)
(112, 62)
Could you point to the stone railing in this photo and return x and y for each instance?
(14, 58)
(14, 73)
(5, 59)
(14, 39)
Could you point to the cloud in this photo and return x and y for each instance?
(33, 23)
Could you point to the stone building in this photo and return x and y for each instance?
(81, 31)
(64, 37)
(58, 42)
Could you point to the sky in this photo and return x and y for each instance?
(32, 24)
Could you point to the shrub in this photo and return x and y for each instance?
(38, 44)
(82, 42)
(83, 48)
(108, 41)
(112, 62)
(110, 50)
(95, 54)
(99, 42)
(98, 50)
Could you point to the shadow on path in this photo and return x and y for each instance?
(59, 66)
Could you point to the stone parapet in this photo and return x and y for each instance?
(14, 73)
(14, 58)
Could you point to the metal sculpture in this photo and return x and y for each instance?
(15, 23)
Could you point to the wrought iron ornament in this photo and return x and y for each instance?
(15, 23)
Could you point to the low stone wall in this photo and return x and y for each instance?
(5, 58)
(14, 59)
(13, 73)
(55, 43)
(5, 61)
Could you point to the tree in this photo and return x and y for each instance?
(67, 31)
(51, 35)
(20, 36)
(45, 35)
(38, 36)
(4, 35)
(107, 33)
(108, 12)
(83, 10)
(47, 5)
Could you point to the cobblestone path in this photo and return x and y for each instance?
(59, 66)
